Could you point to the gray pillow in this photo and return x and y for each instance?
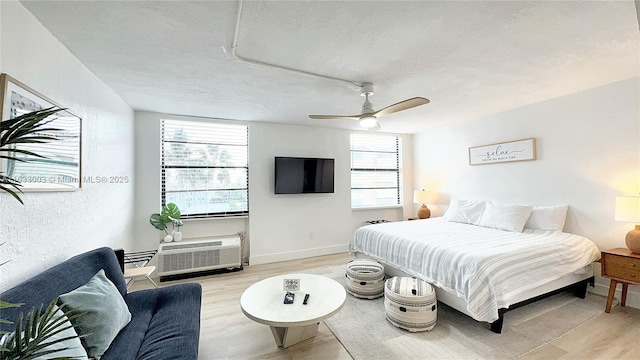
(105, 315)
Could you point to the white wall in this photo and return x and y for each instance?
(281, 224)
(51, 227)
(588, 153)
(284, 227)
(279, 227)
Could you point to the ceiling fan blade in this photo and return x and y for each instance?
(402, 105)
(325, 117)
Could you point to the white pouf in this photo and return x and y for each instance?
(410, 304)
(365, 279)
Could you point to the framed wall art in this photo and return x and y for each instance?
(60, 167)
(517, 150)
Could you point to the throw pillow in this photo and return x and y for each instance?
(507, 217)
(547, 218)
(465, 211)
(106, 313)
(70, 342)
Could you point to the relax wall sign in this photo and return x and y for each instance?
(517, 150)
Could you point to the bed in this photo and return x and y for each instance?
(480, 271)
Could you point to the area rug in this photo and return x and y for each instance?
(362, 328)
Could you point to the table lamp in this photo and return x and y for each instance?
(628, 210)
(423, 197)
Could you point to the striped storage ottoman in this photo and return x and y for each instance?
(365, 279)
(410, 303)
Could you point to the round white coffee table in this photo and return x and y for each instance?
(263, 302)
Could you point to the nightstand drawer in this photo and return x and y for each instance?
(621, 267)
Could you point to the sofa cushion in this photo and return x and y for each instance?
(174, 330)
(142, 305)
(165, 324)
(105, 313)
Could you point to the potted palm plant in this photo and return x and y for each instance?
(34, 333)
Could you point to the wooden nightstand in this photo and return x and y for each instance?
(415, 218)
(620, 265)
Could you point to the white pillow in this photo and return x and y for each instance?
(465, 211)
(547, 218)
(507, 217)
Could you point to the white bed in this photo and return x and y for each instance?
(477, 270)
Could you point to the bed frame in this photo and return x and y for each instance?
(577, 282)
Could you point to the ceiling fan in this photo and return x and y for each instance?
(368, 116)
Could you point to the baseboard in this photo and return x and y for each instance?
(602, 288)
(297, 254)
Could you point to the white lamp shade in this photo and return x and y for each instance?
(368, 122)
(628, 208)
(424, 197)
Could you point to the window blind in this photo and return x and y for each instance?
(375, 170)
(205, 168)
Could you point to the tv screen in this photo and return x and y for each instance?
(294, 175)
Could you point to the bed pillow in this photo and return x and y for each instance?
(547, 218)
(105, 313)
(465, 211)
(507, 217)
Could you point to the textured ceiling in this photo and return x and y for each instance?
(469, 58)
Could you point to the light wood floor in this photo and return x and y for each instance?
(227, 334)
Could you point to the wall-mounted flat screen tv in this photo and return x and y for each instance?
(296, 175)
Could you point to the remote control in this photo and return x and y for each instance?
(306, 298)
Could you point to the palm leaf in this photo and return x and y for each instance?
(31, 338)
(32, 140)
(24, 129)
(20, 151)
(26, 125)
(6, 305)
(6, 182)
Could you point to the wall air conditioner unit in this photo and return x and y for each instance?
(194, 256)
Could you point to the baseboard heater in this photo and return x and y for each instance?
(199, 257)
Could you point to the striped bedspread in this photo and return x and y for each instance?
(485, 267)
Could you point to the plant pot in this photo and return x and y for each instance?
(177, 236)
(168, 238)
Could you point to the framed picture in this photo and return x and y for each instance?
(60, 167)
(517, 150)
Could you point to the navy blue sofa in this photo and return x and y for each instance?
(165, 322)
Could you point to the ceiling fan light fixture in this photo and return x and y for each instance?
(368, 117)
(368, 122)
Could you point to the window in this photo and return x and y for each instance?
(205, 168)
(375, 170)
